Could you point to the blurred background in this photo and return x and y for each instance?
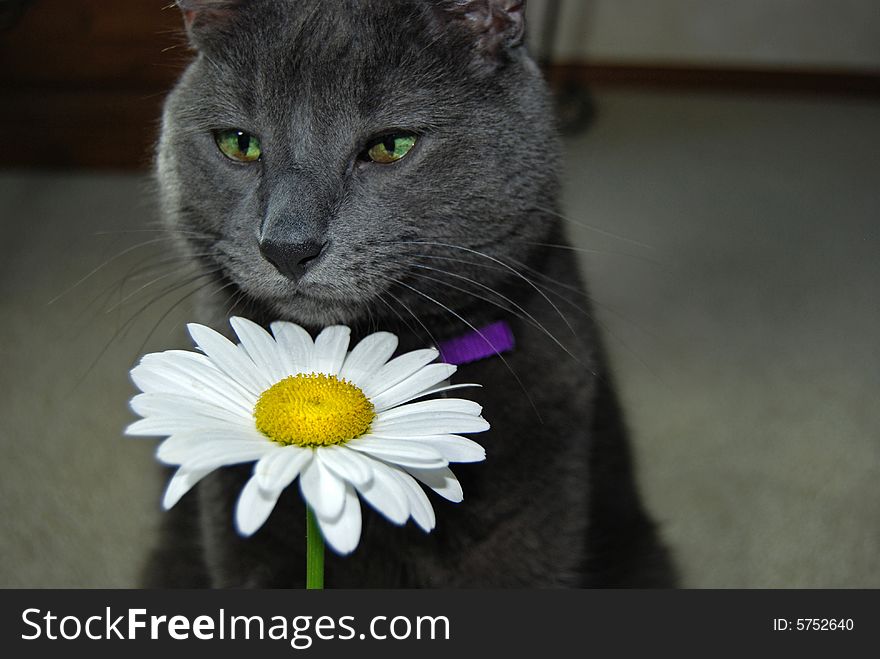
(722, 190)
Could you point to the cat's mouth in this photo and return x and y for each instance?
(322, 297)
(311, 305)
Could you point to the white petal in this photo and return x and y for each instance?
(367, 357)
(402, 452)
(182, 445)
(260, 347)
(229, 358)
(347, 464)
(295, 346)
(442, 481)
(414, 385)
(398, 370)
(419, 505)
(169, 405)
(460, 405)
(181, 483)
(181, 359)
(429, 423)
(148, 428)
(452, 447)
(254, 507)
(165, 426)
(330, 348)
(196, 378)
(323, 490)
(226, 453)
(386, 494)
(343, 532)
(276, 470)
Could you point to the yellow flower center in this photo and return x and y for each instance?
(313, 410)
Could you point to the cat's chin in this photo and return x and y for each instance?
(316, 312)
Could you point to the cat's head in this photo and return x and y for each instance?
(329, 159)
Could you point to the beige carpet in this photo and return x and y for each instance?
(739, 292)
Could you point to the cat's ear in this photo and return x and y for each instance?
(496, 24)
(202, 17)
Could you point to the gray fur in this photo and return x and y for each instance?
(444, 238)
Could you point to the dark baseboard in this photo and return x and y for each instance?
(722, 78)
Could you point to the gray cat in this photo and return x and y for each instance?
(393, 165)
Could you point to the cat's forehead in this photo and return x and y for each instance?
(313, 60)
(300, 38)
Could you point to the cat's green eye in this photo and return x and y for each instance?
(238, 145)
(390, 148)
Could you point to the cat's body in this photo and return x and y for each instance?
(448, 238)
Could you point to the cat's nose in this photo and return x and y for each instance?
(290, 259)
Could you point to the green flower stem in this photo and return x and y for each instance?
(314, 553)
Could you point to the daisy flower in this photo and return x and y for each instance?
(342, 422)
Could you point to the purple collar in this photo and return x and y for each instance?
(477, 344)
